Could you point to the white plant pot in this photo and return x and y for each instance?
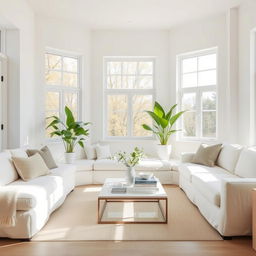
(70, 158)
(164, 151)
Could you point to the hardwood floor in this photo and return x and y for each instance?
(235, 247)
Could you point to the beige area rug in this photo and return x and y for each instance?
(76, 219)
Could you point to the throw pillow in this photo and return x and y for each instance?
(90, 152)
(45, 153)
(103, 152)
(31, 167)
(207, 154)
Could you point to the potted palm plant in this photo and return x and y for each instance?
(163, 128)
(70, 131)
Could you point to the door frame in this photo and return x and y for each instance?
(253, 87)
(4, 103)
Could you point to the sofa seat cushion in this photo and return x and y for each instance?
(144, 165)
(154, 165)
(49, 188)
(84, 165)
(108, 165)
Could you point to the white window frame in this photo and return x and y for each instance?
(61, 89)
(198, 90)
(129, 93)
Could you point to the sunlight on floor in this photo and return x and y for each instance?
(92, 189)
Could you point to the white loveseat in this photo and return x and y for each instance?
(37, 198)
(223, 192)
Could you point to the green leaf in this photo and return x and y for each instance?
(53, 123)
(69, 115)
(81, 143)
(148, 128)
(154, 116)
(164, 123)
(158, 110)
(175, 117)
(169, 114)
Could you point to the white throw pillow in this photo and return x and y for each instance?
(103, 152)
(8, 172)
(246, 163)
(90, 152)
(228, 156)
(18, 152)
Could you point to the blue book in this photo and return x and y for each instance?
(145, 181)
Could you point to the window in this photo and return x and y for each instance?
(129, 91)
(197, 85)
(62, 84)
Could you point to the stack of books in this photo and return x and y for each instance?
(145, 185)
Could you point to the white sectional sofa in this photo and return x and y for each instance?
(223, 192)
(96, 171)
(37, 198)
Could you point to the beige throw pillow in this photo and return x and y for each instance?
(45, 153)
(31, 167)
(207, 154)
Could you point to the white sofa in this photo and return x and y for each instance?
(37, 198)
(223, 192)
(96, 171)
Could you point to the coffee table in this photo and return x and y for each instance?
(137, 201)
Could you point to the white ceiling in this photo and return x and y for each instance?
(131, 14)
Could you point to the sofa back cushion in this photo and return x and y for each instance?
(18, 152)
(8, 172)
(31, 167)
(246, 165)
(228, 156)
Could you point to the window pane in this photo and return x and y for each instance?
(52, 61)
(189, 124)
(146, 67)
(189, 65)
(207, 78)
(140, 103)
(70, 79)
(70, 100)
(114, 67)
(189, 101)
(52, 101)
(207, 62)
(53, 78)
(70, 64)
(117, 115)
(128, 82)
(209, 100)
(209, 124)
(189, 80)
(114, 82)
(129, 68)
(143, 82)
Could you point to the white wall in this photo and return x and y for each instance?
(18, 14)
(195, 36)
(247, 21)
(127, 43)
(66, 36)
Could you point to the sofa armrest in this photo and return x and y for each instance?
(187, 157)
(236, 206)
